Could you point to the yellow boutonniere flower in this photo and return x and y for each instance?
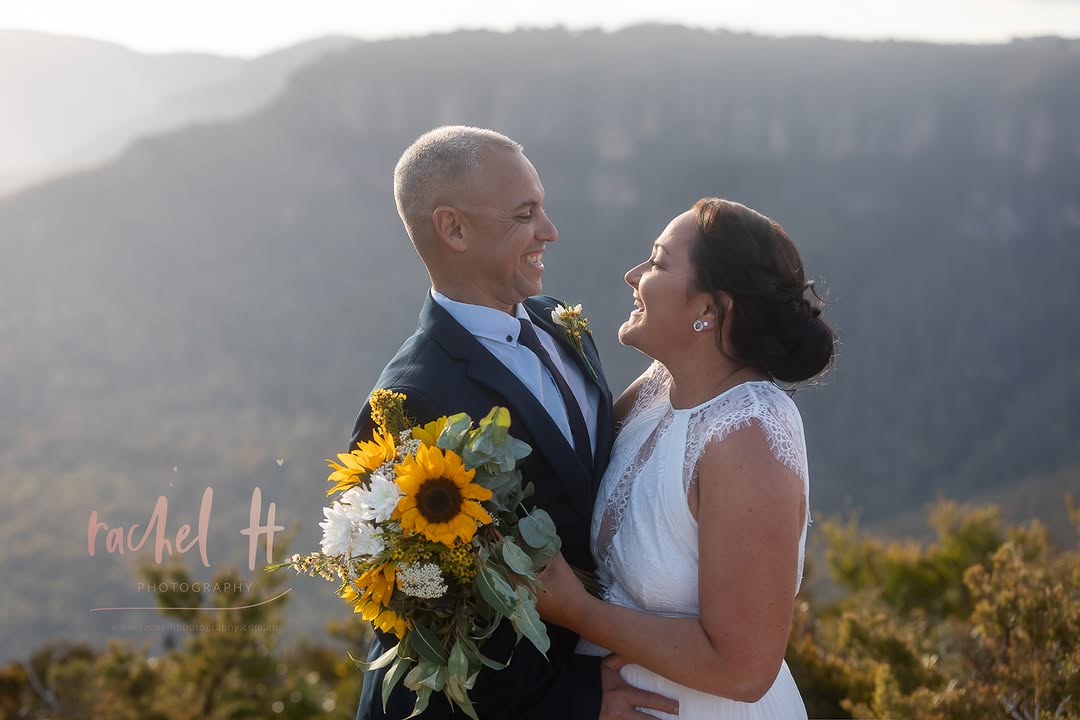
(570, 319)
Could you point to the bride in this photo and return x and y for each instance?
(700, 523)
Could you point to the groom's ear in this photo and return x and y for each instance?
(448, 227)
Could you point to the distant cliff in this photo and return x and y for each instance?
(226, 295)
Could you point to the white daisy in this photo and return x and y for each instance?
(380, 499)
(353, 502)
(337, 530)
(561, 310)
(366, 540)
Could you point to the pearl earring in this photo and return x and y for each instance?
(700, 325)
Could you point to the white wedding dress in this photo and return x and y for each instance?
(645, 539)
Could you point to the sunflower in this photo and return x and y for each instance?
(440, 498)
(373, 455)
(346, 474)
(429, 434)
(366, 458)
(370, 593)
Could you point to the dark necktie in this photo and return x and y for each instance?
(578, 430)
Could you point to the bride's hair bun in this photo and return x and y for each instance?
(776, 313)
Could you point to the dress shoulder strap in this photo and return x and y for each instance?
(761, 404)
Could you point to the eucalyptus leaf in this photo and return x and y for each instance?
(393, 676)
(458, 694)
(428, 645)
(458, 668)
(537, 528)
(528, 622)
(471, 647)
(483, 442)
(453, 435)
(495, 590)
(503, 458)
(423, 695)
(496, 423)
(382, 661)
(426, 675)
(509, 453)
(414, 676)
(474, 456)
(504, 485)
(436, 680)
(542, 556)
(516, 558)
(520, 449)
(405, 647)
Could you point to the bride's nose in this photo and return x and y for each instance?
(633, 275)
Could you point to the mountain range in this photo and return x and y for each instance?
(212, 306)
(70, 102)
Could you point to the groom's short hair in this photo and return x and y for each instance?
(440, 156)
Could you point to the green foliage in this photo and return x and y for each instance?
(982, 623)
(988, 628)
(228, 666)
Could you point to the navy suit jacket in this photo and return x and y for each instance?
(443, 370)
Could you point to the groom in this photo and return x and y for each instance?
(472, 205)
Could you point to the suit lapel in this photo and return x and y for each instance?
(605, 426)
(485, 369)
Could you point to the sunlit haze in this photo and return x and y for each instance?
(252, 27)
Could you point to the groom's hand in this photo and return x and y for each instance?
(621, 700)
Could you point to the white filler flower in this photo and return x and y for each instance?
(421, 581)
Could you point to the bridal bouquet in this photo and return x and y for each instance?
(431, 543)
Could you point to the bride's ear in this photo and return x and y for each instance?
(449, 229)
(718, 309)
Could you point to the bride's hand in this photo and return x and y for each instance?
(564, 593)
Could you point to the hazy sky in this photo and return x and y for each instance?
(248, 27)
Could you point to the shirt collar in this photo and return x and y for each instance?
(482, 321)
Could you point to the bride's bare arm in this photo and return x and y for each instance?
(751, 511)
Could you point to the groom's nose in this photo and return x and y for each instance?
(546, 229)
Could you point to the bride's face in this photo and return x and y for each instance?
(666, 299)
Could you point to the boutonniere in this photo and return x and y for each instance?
(573, 323)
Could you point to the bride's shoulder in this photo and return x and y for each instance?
(761, 408)
(651, 385)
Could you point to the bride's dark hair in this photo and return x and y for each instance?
(776, 323)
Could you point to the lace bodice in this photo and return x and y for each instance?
(644, 536)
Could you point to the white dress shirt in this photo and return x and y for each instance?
(498, 332)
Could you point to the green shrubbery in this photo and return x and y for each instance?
(982, 623)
